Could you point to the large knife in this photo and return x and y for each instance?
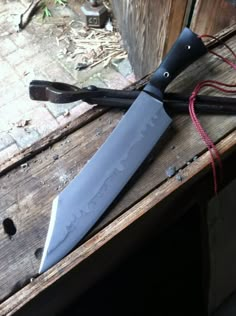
(78, 207)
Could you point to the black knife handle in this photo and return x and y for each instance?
(187, 48)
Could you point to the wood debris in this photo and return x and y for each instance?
(24, 165)
(171, 171)
(88, 47)
(22, 123)
(66, 113)
(55, 157)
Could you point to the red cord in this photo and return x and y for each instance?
(224, 59)
(219, 41)
(214, 153)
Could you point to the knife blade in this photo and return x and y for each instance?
(78, 207)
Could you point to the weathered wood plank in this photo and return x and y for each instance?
(26, 193)
(211, 16)
(177, 19)
(14, 303)
(148, 29)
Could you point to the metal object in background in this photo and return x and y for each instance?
(59, 92)
(95, 13)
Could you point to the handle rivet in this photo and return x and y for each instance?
(91, 88)
(188, 47)
(166, 74)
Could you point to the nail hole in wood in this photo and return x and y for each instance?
(38, 253)
(9, 227)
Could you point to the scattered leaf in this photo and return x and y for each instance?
(46, 13)
(61, 2)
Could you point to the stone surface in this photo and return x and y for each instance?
(8, 116)
(123, 67)
(58, 73)
(8, 152)
(37, 53)
(6, 71)
(60, 109)
(131, 78)
(23, 105)
(113, 79)
(94, 81)
(7, 46)
(20, 56)
(24, 137)
(42, 121)
(5, 140)
(22, 39)
(11, 91)
(38, 62)
(80, 109)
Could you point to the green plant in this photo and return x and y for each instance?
(47, 12)
(61, 2)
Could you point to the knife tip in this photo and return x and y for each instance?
(47, 259)
(44, 265)
(41, 268)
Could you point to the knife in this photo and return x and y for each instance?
(79, 206)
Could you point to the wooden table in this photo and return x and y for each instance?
(30, 181)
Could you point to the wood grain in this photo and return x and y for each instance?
(14, 303)
(176, 20)
(26, 193)
(148, 29)
(211, 16)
